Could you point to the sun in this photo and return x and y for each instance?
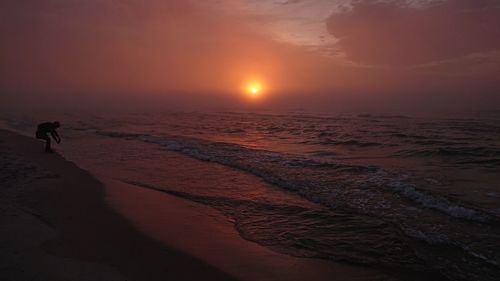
(254, 89)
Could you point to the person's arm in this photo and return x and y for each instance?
(55, 136)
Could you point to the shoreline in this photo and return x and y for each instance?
(207, 234)
(80, 230)
(124, 232)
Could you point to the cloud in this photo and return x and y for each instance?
(130, 46)
(484, 65)
(159, 48)
(403, 33)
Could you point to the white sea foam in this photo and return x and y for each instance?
(234, 156)
(436, 202)
(271, 166)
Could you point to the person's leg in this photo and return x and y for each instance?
(45, 137)
(47, 145)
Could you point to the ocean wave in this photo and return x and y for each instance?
(350, 142)
(450, 152)
(340, 235)
(406, 136)
(383, 116)
(435, 142)
(235, 131)
(438, 203)
(313, 233)
(250, 160)
(316, 180)
(123, 135)
(493, 162)
(323, 153)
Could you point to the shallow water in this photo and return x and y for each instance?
(420, 194)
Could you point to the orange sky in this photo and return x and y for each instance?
(310, 51)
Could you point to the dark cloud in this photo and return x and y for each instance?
(392, 33)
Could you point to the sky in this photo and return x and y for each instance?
(411, 54)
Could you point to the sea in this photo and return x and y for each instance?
(401, 193)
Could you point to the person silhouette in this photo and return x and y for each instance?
(42, 133)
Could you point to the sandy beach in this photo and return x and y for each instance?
(58, 227)
(61, 223)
